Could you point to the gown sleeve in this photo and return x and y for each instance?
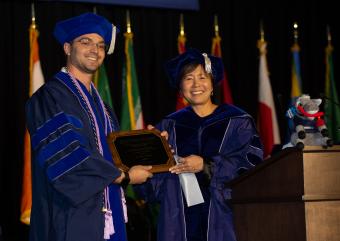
(240, 150)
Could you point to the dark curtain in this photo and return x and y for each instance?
(155, 41)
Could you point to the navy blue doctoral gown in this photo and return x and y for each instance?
(229, 140)
(69, 174)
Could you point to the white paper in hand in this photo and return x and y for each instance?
(190, 187)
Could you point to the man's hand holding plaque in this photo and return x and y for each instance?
(141, 147)
(136, 175)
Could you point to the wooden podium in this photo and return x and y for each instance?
(293, 196)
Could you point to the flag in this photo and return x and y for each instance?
(102, 84)
(332, 108)
(267, 120)
(296, 89)
(181, 39)
(132, 116)
(222, 93)
(36, 80)
(296, 85)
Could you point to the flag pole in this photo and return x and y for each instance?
(222, 93)
(181, 25)
(296, 89)
(262, 40)
(128, 22)
(295, 32)
(329, 49)
(295, 46)
(329, 36)
(216, 27)
(181, 36)
(33, 15)
(33, 32)
(261, 31)
(181, 39)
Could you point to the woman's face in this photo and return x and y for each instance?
(196, 86)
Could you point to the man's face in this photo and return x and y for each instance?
(87, 52)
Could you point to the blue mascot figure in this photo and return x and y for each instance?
(306, 124)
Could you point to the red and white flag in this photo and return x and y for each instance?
(267, 120)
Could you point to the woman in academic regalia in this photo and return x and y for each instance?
(216, 142)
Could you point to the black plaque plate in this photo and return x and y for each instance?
(140, 147)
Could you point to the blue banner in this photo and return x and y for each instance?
(173, 4)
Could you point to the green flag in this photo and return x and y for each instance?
(332, 109)
(102, 84)
(131, 115)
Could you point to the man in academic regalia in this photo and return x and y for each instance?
(77, 193)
